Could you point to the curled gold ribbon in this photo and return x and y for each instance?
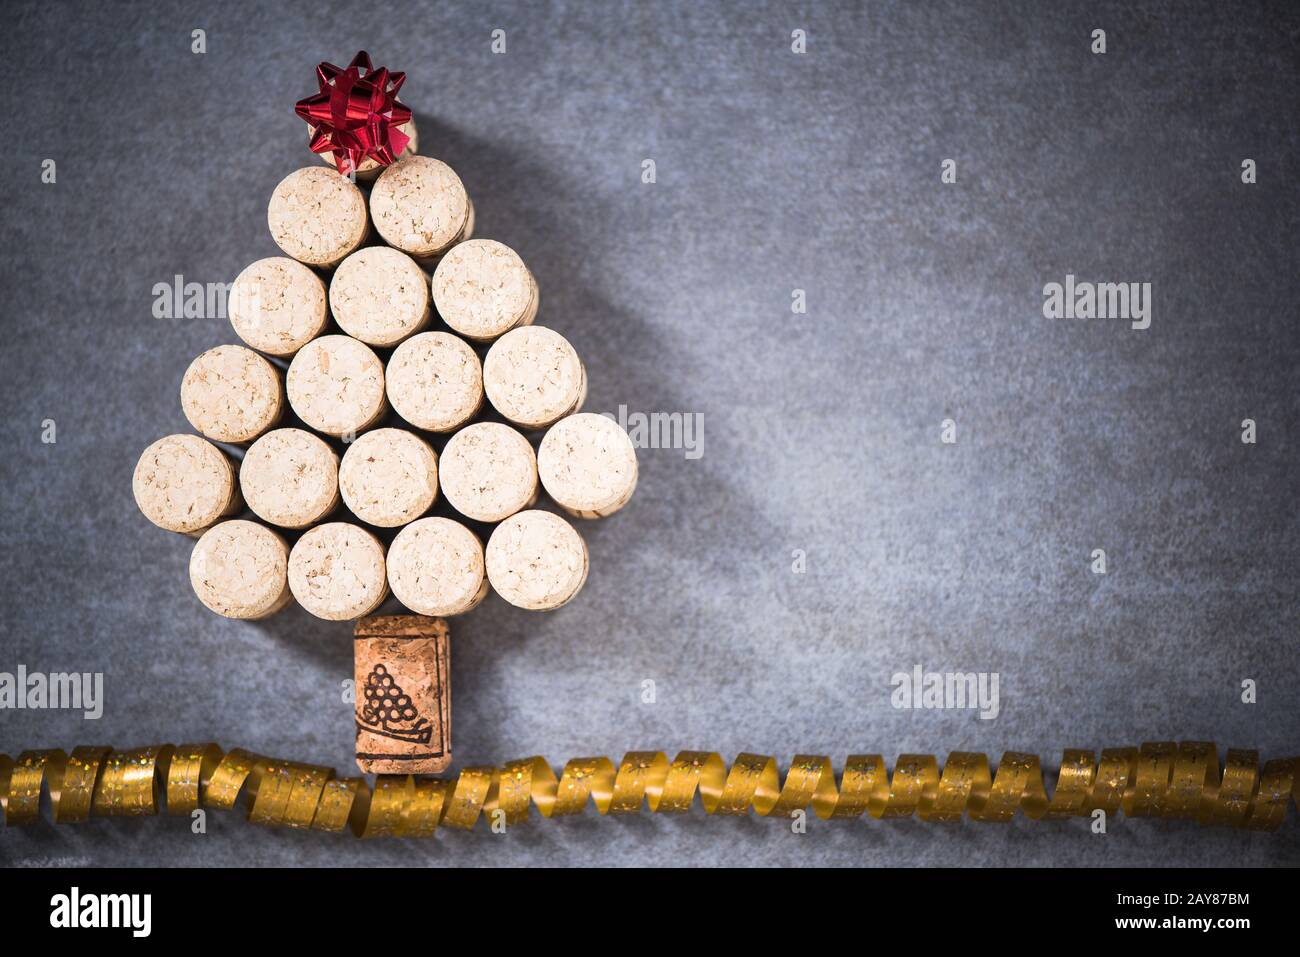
(1161, 779)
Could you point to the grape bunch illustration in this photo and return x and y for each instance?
(389, 708)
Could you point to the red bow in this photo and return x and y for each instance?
(356, 114)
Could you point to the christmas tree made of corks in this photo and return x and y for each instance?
(338, 329)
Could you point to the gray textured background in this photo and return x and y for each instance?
(775, 172)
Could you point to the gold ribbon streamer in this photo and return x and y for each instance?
(1160, 779)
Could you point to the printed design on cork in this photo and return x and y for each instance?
(402, 705)
(388, 710)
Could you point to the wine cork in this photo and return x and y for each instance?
(435, 567)
(483, 289)
(184, 484)
(587, 464)
(488, 472)
(290, 478)
(389, 477)
(435, 381)
(336, 385)
(536, 560)
(317, 216)
(380, 296)
(277, 305)
(336, 571)
(402, 671)
(420, 206)
(369, 168)
(238, 569)
(533, 377)
(231, 394)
